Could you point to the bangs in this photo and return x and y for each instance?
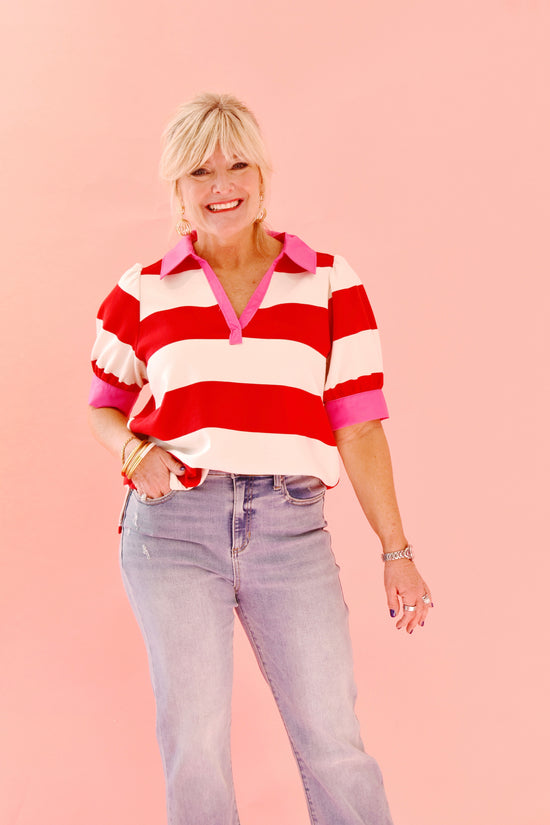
(223, 129)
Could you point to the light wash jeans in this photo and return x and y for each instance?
(255, 546)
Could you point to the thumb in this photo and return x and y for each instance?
(393, 602)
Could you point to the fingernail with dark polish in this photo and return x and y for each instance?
(392, 614)
(410, 631)
(421, 624)
(432, 604)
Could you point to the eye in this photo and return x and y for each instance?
(198, 173)
(240, 164)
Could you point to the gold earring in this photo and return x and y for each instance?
(262, 214)
(183, 227)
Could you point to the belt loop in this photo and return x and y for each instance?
(277, 482)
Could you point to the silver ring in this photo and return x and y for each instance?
(426, 599)
(409, 607)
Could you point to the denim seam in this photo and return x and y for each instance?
(247, 507)
(236, 571)
(123, 509)
(247, 518)
(299, 761)
(233, 517)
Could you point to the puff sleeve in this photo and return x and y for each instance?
(353, 387)
(119, 374)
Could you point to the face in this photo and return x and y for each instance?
(222, 197)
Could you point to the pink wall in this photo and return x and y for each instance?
(412, 137)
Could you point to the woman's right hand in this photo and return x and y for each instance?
(152, 475)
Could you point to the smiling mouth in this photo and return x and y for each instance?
(227, 206)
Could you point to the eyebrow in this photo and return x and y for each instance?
(230, 160)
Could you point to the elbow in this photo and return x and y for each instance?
(364, 428)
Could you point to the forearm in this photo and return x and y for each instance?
(109, 427)
(366, 457)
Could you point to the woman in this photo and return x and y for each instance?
(263, 363)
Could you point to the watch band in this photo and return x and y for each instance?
(407, 553)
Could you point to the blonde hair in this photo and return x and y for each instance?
(202, 124)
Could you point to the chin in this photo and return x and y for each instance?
(228, 229)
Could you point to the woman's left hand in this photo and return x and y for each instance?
(402, 580)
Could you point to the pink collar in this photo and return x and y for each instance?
(301, 255)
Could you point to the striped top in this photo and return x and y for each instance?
(259, 394)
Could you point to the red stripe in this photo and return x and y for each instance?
(187, 264)
(120, 315)
(304, 323)
(179, 324)
(351, 312)
(109, 378)
(152, 269)
(362, 384)
(257, 408)
(286, 264)
(324, 259)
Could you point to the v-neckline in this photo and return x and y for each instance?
(235, 323)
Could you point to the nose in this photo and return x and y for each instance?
(221, 182)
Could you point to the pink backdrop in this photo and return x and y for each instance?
(411, 137)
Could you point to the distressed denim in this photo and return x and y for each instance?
(255, 546)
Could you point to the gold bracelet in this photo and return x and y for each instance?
(139, 458)
(131, 462)
(124, 447)
(134, 463)
(131, 456)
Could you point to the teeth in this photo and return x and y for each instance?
(219, 207)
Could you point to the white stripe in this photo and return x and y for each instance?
(256, 453)
(129, 282)
(182, 289)
(255, 361)
(342, 275)
(117, 358)
(298, 288)
(353, 356)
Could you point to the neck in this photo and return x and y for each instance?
(227, 253)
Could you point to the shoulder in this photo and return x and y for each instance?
(129, 280)
(132, 276)
(124, 296)
(340, 272)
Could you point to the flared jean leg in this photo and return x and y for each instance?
(292, 608)
(184, 607)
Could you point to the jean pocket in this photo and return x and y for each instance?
(303, 489)
(150, 502)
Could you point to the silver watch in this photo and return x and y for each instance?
(407, 553)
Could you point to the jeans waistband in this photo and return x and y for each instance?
(253, 475)
(223, 473)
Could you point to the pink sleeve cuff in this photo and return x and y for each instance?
(352, 409)
(103, 394)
